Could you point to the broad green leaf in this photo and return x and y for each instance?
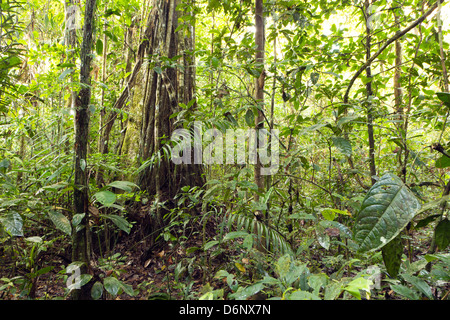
(97, 290)
(322, 237)
(13, 224)
(85, 278)
(99, 47)
(357, 285)
(283, 265)
(250, 118)
(405, 291)
(210, 244)
(119, 221)
(314, 77)
(123, 185)
(442, 162)
(392, 256)
(317, 281)
(328, 214)
(343, 145)
(112, 285)
(105, 197)
(234, 235)
(243, 294)
(302, 295)
(77, 218)
(60, 221)
(157, 69)
(128, 289)
(333, 290)
(419, 284)
(65, 73)
(386, 210)
(442, 234)
(248, 241)
(444, 97)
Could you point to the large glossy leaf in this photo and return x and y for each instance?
(112, 285)
(60, 221)
(387, 208)
(105, 197)
(442, 234)
(13, 224)
(123, 185)
(343, 145)
(119, 221)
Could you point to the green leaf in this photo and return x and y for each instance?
(250, 118)
(343, 145)
(123, 185)
(442, 162)
(322, 237)
(13, 224)
(99, 47)
(442, 234)
(386, 210)
(302, 295)
(119, 221)
(405, 291)
(248, 241)
(444, 97)
(243, 294)
(158, 70)
(65, 73)
(214, 62)
(60, 221)
(235, 234)
(77, 218)
(210, 244)
(105, 197)
(112, 285)
(85, 278)
(357, 285)
(314, 77)
(97, 290)
(392, 256)
(419, 284)
(128, 289)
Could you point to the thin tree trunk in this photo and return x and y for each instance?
(102, 147)
(259, 92)
(373, 170)
(81, 239)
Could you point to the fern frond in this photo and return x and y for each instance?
(274, 241)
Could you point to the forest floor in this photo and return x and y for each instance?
(151, 273)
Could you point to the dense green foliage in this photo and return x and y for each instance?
(331, 229)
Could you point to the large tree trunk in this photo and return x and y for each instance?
(81, 238)
(165, 88)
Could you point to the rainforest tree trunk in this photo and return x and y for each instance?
(373, 170)
(166, 87)
(259, 92)
(81, 238)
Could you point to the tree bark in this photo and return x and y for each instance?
(166, 87)
(372, 166)
(81, 239)
(259, 92)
